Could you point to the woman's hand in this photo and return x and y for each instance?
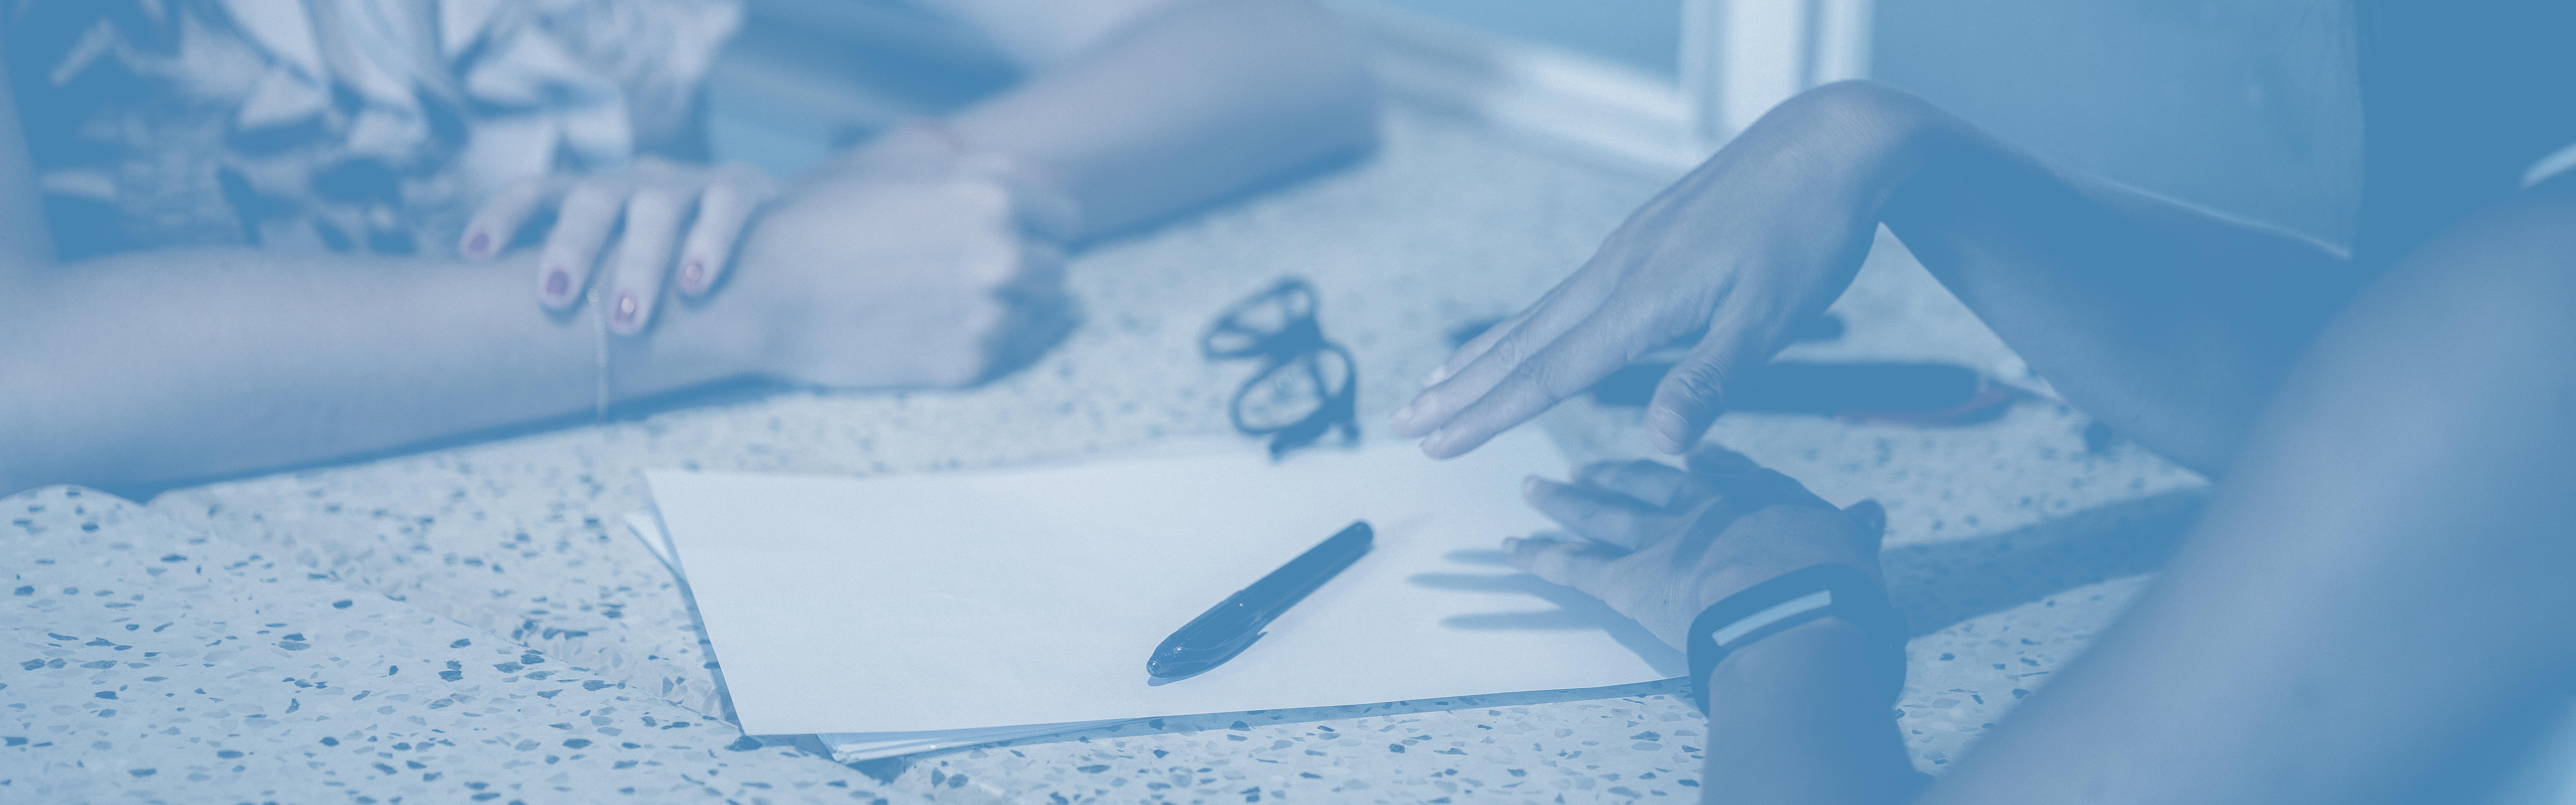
(665, 207)
(1660, 544)
(880, 283)
(1766, 233)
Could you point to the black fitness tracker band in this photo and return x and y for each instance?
(1794, 598)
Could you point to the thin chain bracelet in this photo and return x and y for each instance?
(599, 328)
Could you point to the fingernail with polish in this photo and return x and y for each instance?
(694, 275)
(558, 283)
(1434, 378)
(626, 308)
(475, 246)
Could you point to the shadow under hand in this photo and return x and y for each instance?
(1575, 611)
(1936, 585)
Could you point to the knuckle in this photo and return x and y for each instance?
(743, 178)
(1707, 509)
(1552, 379)
(1569, 512)
(984, 319)
(1486, 340)
(1719, 454)
(1550, 560)
(1599, 471)
(522, 191)
(1626, 470)
(589, 195)
(1697, 385)
(1642, 468)
(1605, 519)
(722, 198)
(1555, 503)
(989, 268)
(641, 259)
(654, 202)
(1512, 349)
(986, 197)
(1631, 521)
(1043, 257)
(563, 244)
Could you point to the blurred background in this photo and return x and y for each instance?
(2244, 106)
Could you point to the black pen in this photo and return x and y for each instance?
(1223, 631)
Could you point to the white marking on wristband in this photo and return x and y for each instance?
(1784, 610)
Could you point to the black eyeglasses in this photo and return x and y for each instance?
(1307, 386)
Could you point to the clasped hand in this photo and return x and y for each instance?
(663, 214)
(850, 280)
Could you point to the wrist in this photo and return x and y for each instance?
(1845, 539)
(1799, 718)
(685, 348)
(1760, 615)
(728, 333)
(1795, 656)
(772, 293)
(1885, 136)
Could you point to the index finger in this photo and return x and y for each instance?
(499, 219)
(1476, 346)
(1614, 335)
(1573, 563)
(1487, 358)
(724, 211)
(1598, 515)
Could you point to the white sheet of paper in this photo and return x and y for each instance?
(979, 600)
(851, 747)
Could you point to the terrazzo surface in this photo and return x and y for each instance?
(2010, 542)
(153, 662)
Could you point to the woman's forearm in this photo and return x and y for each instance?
(174, 364)
(2168, 322)
(1797, 717)
(2397, 524)
(1194, 103)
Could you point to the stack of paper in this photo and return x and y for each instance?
(915, 612)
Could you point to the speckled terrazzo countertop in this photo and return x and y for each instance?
(472, 624)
